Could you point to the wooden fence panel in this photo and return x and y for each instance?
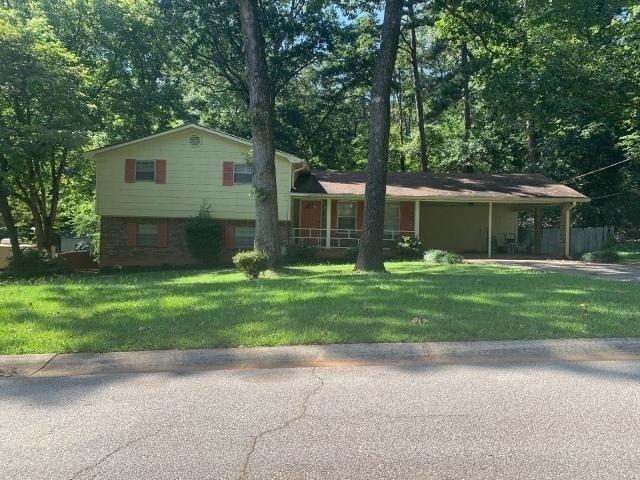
(583, 240)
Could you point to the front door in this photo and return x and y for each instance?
(311, 222)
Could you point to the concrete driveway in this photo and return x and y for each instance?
(609, 271)
(522, 421)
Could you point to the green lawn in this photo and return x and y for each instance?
(629, 253)
(303, 305)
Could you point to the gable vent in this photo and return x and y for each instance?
(195, 140)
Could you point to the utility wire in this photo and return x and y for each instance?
(611, 195)
(600, 169)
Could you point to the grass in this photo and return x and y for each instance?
(305, 305)
(629, 253)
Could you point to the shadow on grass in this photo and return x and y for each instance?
(313, 305)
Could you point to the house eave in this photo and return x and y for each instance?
(91, 154)
(464, 199)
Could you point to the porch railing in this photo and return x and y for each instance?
(341, 237)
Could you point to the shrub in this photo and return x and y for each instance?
(204, 235)
(601, 256)
(351, 255)
(442, 256)
(252, 263)
(408, 248)
(36, 264)
(301, 254)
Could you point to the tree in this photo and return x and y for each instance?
(43, 115)
(417, 85)
(6, 210)
(370, 255)
(261, 116)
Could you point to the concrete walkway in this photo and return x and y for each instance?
(71, 364)
(609, 271)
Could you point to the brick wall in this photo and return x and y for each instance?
(114, 250)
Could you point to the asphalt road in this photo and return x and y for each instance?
(547, 420)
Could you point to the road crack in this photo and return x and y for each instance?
(113, 452)
(45, 365)
(303, 413)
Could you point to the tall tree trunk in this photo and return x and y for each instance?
(466, 94)
(9, 222)
(6, 212)
(417, 87)
(532, 146)
(261, 117)
(403, 166)
(370, 255)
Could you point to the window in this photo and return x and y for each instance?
(347, 215)
(242, 173)
(392, 217)
(244, 236)
(147, 235)
(145, 170)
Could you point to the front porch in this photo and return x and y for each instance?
(479, 228)
(345, 218)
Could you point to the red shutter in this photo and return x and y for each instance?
(129, 170)
(227, 174)
(229, 236)
(162, 239)
(334, 215)
(161, 171)
(359, 214)
(406, 216)
(131, 234)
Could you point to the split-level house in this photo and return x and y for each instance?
(146, 189)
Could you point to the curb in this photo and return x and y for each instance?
(69, 364)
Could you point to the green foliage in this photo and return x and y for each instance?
(86, 223)
(442, 256)
(301, 255)
(408, 248)
(35, 264)
(601, 256)
(204, 235)
(252, 263)
(350, 254)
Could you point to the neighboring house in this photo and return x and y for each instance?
(146, 190)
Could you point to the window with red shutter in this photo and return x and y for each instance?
(132, 230)
(229, 237)
(129, 170)
(227, 174)
(162, 239)
(161, 171)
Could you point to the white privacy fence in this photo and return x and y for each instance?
(583, 240)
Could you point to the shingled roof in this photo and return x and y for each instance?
(507, 186)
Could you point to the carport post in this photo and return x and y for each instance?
(565, 229)
(328, 240)
(416, 220)
(490, 229)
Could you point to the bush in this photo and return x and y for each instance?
(351, 255)
(204, 235)
(301, 254)
(601, 256)
(442, 256)
(408, 248)
(251, 263)
(36, 264)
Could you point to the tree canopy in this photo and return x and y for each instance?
(478, 85)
